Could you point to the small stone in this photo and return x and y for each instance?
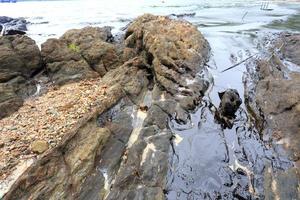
(39, 146)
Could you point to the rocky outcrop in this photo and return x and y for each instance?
(278, 94)
(68, 164)
(80, 54)
(120, 149)
(175, 50)
(11, 26)
(279, 100)
(9, 100)
(275, 105)
(80, 148)
(173, 53)
(20, 59)
(19, 56)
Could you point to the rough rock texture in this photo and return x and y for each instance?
(9, 100)
(173, 52)
(277, 110)
(62, 171)
(121, 149)
(19, 56)
(39, 146)
(278, 94)
(291, 47)
(279, 99)
(59, 173)
(229, 105)
(176, 52)
(80, 54)
(19, 60)
(85, 100)
(11, 26)
(48, 117)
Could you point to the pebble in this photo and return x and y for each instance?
(39, 146)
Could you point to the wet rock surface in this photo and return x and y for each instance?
(240, 161)
(213, 162)
(120, 149)
(20, 60)
(12, 26)
(275, 105)
(142, 171)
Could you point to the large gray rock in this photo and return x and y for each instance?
(80, 54)
(19, 60)
(9, 100)
(19, 56)
(276, 108)
(175, 52)
(278, 97)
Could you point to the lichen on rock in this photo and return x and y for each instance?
(80, 54)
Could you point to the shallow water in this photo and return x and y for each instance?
(208, 162)
(215, 163)
(224, 17)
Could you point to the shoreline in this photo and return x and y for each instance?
(128, 70)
